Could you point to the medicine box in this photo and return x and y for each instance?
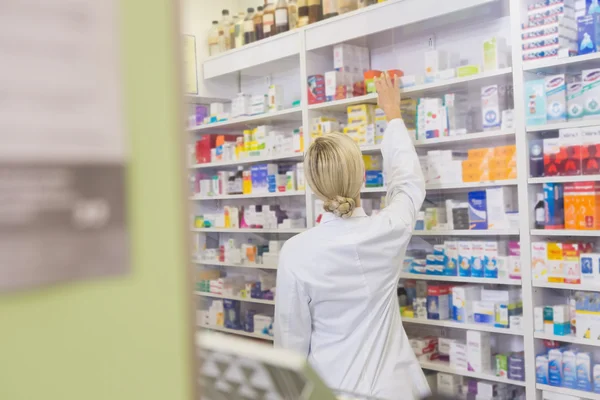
(588, 34)
(452, 259)
(539, 261)
(590, 267)
(464, 258)
(556, 271)
(484, 312)
(477, 210)
(591, 89)
(590, 154)
(584, 371)
(554, 206)
(478, 351)
(575, 109)
(462, 302)
(569, 364)
(541, 369)
(556, 98)
(499, 202)
(477, 259)
(535, 102)
(435, 61)
(571, 268)
(570, 151)
(493, 101)
(555, 367)
(582, 205)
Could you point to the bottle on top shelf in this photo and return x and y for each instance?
(302, 13)
(269, 19)
(213, 39)
(330, 8)
(258, 23)
(224, 32)
(249, 32)
(345, 6)
(282, 21)
(293, 13)
(232, 26)
(315, 11)
(239, 30)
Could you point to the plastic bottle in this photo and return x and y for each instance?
(282, 22)
(269, 19)
(249, 33)
(239, 31)
(302, 13)
(224, 29)
(347, 5)
(258, 23)
(315, 11)
(232, 32)
(540, 212)
(330, 8)
(293, 13)
(213, 39)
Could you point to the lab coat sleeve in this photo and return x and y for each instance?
(293, 322)
(403, 175)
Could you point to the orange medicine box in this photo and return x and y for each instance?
(505, 151)
(480, 153)
(475, 164)
(582, 205)
(481, 175)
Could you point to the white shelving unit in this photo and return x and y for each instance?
(244, 299)
(250, 196)
(567, 339)
(458, 325)
(224, 264)
(445, 367)
(237, 332)
(460, 279)
(569, 392)
(462, 25)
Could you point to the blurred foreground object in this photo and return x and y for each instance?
(62, 145)
(236, 369)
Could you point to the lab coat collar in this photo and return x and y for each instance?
(358, 212)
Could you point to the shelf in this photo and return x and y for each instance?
(568, 392)
(564, 232)
(472, 232)
(291, 114)
(374, 148)
(224, 264)
(566, 286)
(478, 137)
(249, 196)
(274, 50)
(458, 325)
(249, 160)
(471, 185)
(564, 125)
(385, 16)
(558, 65)
(244, 299)
(464, 279)
(564, 179)
(445, 367)
(441, 85)
(382, 189)
(566, 339)
(236, 332)
(239, 230)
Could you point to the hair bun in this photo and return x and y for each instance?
(340, 206)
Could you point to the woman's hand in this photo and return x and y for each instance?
(388, 96)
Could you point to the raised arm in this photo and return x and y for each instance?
(403, 175)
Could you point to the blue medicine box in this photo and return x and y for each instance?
(477, 210)
(588, 34)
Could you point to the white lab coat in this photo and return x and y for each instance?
(336, 297)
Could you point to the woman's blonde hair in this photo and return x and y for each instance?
(335, 171)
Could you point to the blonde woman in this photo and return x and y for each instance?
(336, 283)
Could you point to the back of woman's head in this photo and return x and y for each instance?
(335, 170)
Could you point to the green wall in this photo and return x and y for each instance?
(127, 337)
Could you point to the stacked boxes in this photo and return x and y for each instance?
(361, 124)
(550, 30)
(561, 262)
(494, 100)
(444, 166)
(316, 89)
(490, 164)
